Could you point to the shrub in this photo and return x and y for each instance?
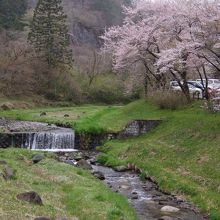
(107, 89)
(168, 99)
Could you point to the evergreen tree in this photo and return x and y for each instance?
(49, 33)
(11, 12)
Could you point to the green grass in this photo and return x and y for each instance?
(182, 154)
(65, 190)
(82, 119)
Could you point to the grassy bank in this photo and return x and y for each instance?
(65, 190)
(182, 154)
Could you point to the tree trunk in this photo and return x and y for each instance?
(145, 85)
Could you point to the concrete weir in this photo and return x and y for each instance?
(41, 136)
(37, 136)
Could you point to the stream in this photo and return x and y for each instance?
(144, 196)
(149, 202)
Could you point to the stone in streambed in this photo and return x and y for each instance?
(31, 197)
(75, 156)
(70, 162)
(99, 175)
(93, 161)
(121, 168)
(125, 187)
(134, 196)
(37, 158)
(84, 164)
(169, 209)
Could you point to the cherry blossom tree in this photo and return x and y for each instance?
(135, 41)
(171, 37)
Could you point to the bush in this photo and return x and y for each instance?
(168, 99)
(107, 89)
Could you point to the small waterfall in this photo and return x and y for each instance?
(54, 140)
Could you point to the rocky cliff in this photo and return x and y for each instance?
(88, 18)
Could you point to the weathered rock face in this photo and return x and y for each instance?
(88, 18)
(138, 127)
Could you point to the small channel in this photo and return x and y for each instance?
(145, 197)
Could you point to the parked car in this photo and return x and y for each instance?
(213, 86)
(195, 88)
(212, 83)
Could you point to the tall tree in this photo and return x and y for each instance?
(170, 37)
(49, 33)
(11, 12)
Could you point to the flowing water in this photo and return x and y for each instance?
(60, 139)
(36, 136)
(146, 198)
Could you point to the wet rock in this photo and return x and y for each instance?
(8, 173)
(93, 161)
(70, 162)
(162, 202)
(84, 164)
(169, 209)
(37, 158)
(31, 197)
(120, 168)
(134, 196)
(99, 175)
(126, 187)
(43, 114)
(3, 162)
(62, 158)
(42, 218)
(76, 156)
(166, 218)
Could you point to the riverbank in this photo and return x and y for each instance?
(182, 154)
(66, 191)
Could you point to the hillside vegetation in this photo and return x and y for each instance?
(182, 154)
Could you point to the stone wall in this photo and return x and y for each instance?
(138, 127)
(88, 141)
